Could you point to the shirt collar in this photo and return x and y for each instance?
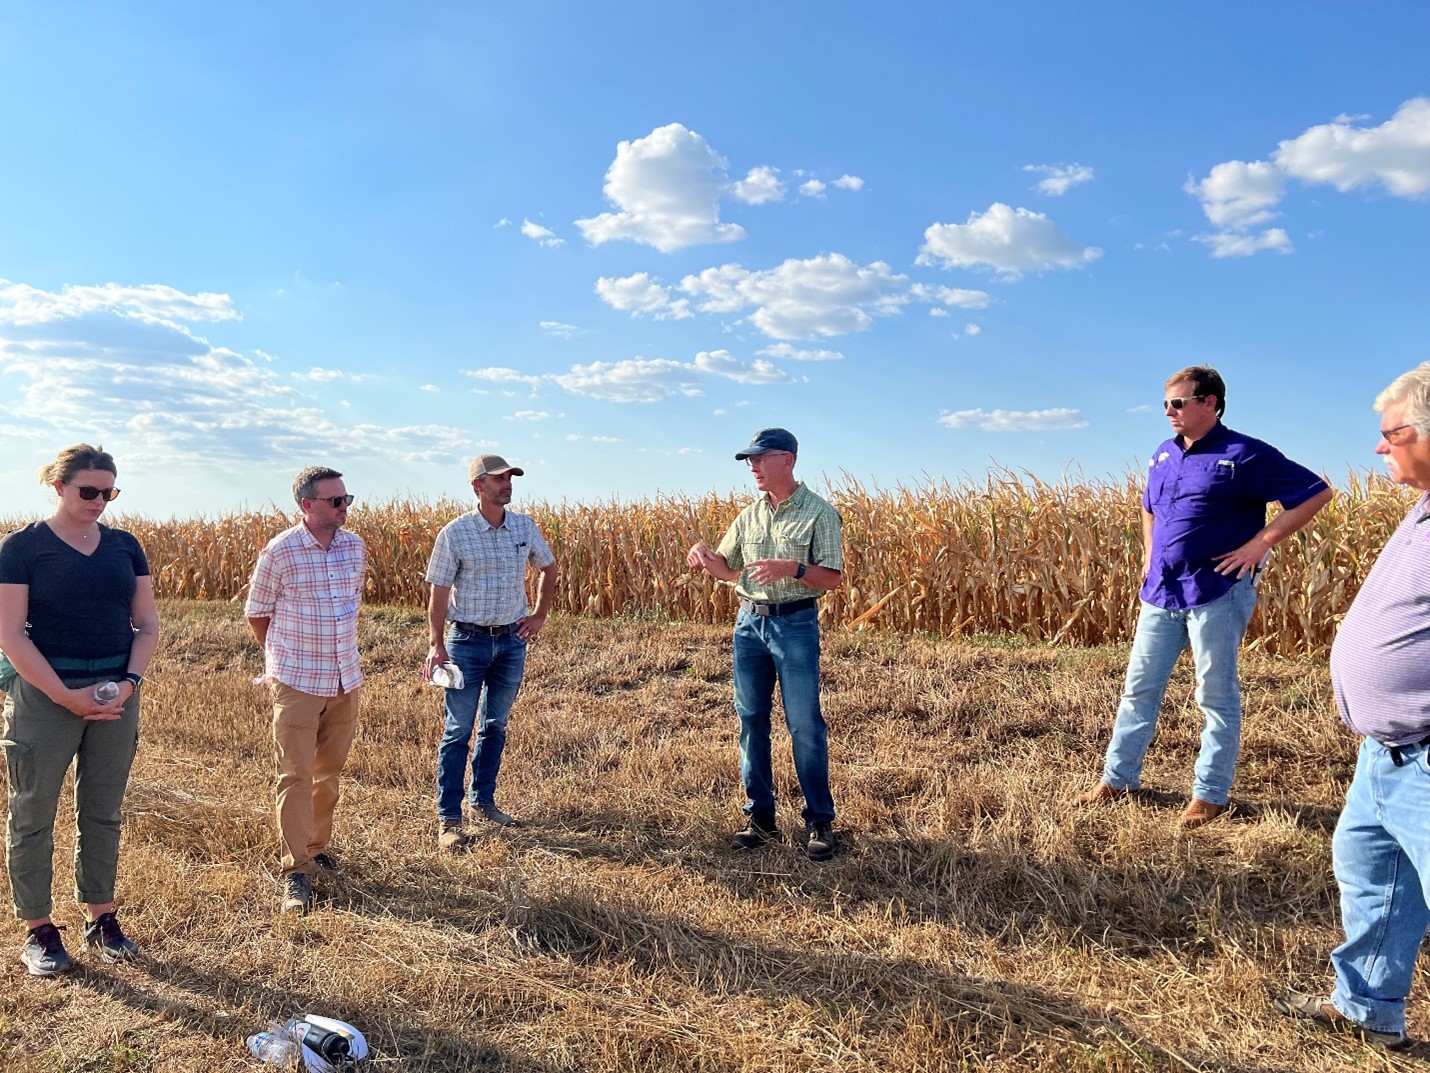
(1214, 436)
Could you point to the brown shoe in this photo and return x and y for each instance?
(1102, 794)
(452, 838)
(1200, 813)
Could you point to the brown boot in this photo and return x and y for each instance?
(1102, 794)
(452, 838)
(1200, 813)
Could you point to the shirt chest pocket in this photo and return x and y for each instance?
(1210, 479)
(791, 540)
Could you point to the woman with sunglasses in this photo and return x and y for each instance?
(76, 612)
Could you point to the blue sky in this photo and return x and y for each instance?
(611, 241)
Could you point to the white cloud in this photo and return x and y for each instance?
(498, 374)
(575, 437)
(818, 297)
(319, 375)
(812, 188)
(1239, 244)
(111, 363)
(633, 380)
(1055, 420)
(1237, 195)
(972, 329)
(431, 389)
(640, 294)
(503, 222)
(760, 186)
(961, 297)
(1060, 178)
(557, 329)
(1395, 154)
(1009, 241)
(667, 188)
(542, 236)
(530, 415)
(938, 312)
(722, 363)
(849, 182)
(786, 352)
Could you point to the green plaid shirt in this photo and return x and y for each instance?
(804, 527)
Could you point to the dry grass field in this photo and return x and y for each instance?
(974, 920)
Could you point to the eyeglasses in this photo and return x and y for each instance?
(1178, 403)
(332, 501)
(88, 492)
(1393, 435)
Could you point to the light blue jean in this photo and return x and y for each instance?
(1214, 632)
(1381, 854)
(491, 671)
(784, 648)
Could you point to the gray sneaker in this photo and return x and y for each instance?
(821, 843)
(492, 814)
(105, 937)
(44, 952)
(1319, 1010)
(297, 893)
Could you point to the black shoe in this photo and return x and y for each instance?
(755, 835)
(297, 893)
(105, 936)
(44, 952)
(821, 842)
(325, 861)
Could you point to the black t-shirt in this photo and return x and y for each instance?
(79, 604)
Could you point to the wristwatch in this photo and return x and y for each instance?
(799, 571)
(137, 679)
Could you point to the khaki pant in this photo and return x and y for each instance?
(311, 739)
(42, 739)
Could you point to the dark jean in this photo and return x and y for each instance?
(491, 669)
(784, 648)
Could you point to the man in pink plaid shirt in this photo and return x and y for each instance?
(303, 605)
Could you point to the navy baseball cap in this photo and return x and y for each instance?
(770, 439)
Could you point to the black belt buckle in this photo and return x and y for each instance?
(1397, 757)
(789, 607)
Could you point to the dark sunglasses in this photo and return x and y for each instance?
(1178, 403)
(88, 491)
(333, 501)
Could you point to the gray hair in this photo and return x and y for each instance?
(306, 483)
(1411, 390)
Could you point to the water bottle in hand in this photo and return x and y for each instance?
(106, 693)
(448, 676)
(274, 1048)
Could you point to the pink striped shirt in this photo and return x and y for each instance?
(310, 596)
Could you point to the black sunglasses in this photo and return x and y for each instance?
(333, 501)
(1180, 401)
(88, 491)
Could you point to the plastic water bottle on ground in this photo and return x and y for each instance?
(106, 693)
(274, 1047)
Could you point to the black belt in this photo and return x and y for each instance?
(776, 610)
(1397, 757)
(490, 631)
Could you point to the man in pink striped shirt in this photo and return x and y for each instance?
(303, 605)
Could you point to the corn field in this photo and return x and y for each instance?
(1052, 562)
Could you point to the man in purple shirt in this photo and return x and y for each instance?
(1380, 671)
(1205, 538)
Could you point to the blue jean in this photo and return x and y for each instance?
(786, 648)
(1381, 854)
(1214, 632)
(491, 670)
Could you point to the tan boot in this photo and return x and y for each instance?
(1102, 794)
(452, 838)
(1200, 813)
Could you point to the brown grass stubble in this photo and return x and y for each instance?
(972, 921)
(1011, 554)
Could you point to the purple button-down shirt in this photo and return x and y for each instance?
(1208, 500)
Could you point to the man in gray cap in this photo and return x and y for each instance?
(781, 553)
(478, 618)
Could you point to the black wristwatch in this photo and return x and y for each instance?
(137, 679)
(799, 571)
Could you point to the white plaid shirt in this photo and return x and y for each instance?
(486, 567)
(310, 597)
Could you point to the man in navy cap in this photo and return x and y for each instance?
(782, 552)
